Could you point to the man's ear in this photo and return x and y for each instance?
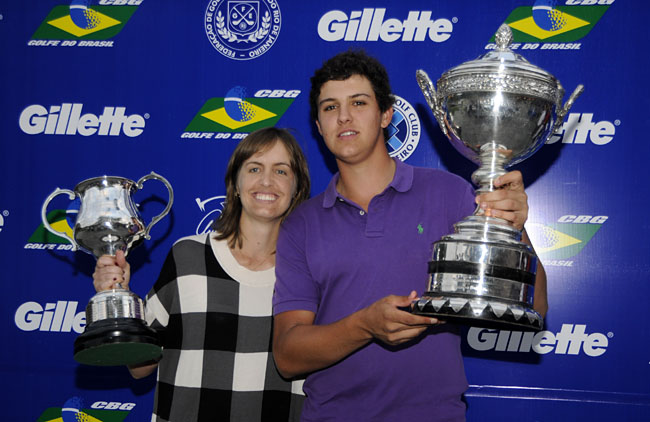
(386, 117)
(318, 126)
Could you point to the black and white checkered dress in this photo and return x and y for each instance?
(215, 320)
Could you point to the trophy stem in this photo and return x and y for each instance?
(493, 158)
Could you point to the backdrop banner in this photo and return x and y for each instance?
(127, 87)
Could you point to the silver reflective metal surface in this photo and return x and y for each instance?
(483, 287)
(449, 249)
(497, 111)
(109, 221)
(117, 303)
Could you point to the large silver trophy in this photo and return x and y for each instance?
(116, 332)
(496, 110)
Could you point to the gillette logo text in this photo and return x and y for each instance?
(370, 25)
(578, 127)
(61, 316)
(67, 119)
(571, 340)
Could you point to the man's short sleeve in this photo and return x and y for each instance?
(295, 288)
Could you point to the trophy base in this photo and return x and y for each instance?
(116, 342)
(479, 313)
(482, 275)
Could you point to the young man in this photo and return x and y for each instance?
(348, 258)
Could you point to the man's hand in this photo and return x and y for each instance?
(384, 320)
(508, 202)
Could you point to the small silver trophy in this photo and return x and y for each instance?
(497, 111)
(116, 332)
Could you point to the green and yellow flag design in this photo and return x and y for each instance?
(104, 22)
(561, 240)
(573, 23)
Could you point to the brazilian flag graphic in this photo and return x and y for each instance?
(57, 414)
(561, 240)
(58, 221)
(72, 411)
(245, 115)
(79, 22)
(559, 24)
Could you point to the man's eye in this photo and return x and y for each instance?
(359, 102)
(329, 107)
(283, 172)
(253, 169)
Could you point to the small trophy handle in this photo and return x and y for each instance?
(431, 97)
(561, 114)
(170, 201)
(46, 224)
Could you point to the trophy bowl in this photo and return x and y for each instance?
(497, 111)
(116, 332)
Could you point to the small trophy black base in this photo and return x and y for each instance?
(116, 342)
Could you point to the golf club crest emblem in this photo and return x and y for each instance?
(403, 132)
(242, 29)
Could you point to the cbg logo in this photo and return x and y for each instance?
(59, 317)
(60, 220)
(66, 119)
(242, 30)
(236, 114)
(74, 411)
(83, 25)
(571, 340)
(555, 243)
(550, 27)
(369, 25)
(403, 130)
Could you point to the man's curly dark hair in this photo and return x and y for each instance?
(346, 64)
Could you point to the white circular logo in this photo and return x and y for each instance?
(403, 130)
(240, 29)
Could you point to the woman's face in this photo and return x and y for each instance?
(266, 184)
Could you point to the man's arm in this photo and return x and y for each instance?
(300, 347)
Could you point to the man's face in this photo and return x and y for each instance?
(350, 121)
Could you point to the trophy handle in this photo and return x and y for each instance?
(46, 224)
(170, 201)
(561, 114)
(431, 97)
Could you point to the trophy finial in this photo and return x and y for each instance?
(503, 37)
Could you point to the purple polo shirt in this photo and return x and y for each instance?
(333, 259)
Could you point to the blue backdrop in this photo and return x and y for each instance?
(126, 87)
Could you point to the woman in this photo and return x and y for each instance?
(212, 301)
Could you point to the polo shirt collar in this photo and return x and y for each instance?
(402, 182)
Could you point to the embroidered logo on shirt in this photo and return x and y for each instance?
(420, 229)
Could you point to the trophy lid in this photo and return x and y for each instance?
(104, 181)
(501, 70)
